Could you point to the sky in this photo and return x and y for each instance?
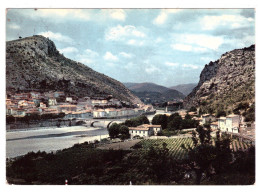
(163, 46)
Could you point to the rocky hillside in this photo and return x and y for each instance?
(226, 82)
(184, 88)
(34, 63)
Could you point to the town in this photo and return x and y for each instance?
(56, 102)
(53, 103)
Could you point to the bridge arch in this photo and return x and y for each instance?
(92, 123)
(110, 123)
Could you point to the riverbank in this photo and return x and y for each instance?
(50, 139)
(41, 123)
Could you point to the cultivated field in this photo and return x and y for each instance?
(175, 149)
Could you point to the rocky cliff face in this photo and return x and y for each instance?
(226, 82)
(34, 63)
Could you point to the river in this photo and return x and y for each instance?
(20, 142)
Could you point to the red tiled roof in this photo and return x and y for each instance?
(139, 128)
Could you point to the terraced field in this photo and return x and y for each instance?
(175, 149)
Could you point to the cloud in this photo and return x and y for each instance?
(86, 60)
(118, 14)
(13, 26)
(151, 69)
(241, 42)
(80, 14)
(135, 42)
(69, 50)
(158, 40)
(190, 66)
(162, 17)
(206, 59)
(88, 56)
(56, 36)
(120, 33)
(196, 42)
(171, 64)
(182, 47)
(90, 53)
(231, 21)
(126, 55)
(110, 57)
(129, 66)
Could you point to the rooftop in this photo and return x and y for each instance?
(139, 128)
(232, 115)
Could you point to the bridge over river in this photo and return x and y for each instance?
(106, 123)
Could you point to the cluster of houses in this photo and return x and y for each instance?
(231, 123)
(21, 104)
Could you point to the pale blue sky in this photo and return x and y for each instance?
(163, 46)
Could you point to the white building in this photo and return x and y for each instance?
(141, 131)
(99, 113)
(69, 99)
(214, 125)
(232, 123)
(111, 112)
(52, 101)
(222, 123)
(229, 123)
(145, 130)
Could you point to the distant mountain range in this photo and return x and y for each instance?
(153, 93)
(184, 88)
(34, 63)
(146, 87)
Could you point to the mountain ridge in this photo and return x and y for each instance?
(34, 63)
(153, 93)
(225, 82)
(184, 88)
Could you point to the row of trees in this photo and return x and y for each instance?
(174, 122)
(33, 117)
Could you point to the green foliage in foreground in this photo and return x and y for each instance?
(161, 161)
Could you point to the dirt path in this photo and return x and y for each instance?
(120, 145)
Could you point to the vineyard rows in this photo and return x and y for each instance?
(175, 149)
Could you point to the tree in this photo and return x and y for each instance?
(134, 122)
(193, 109)
(160, 120)
(123, 132)
(113, 130)
(206, 157)
(172, 116)
(187, 116)
(159, 166)
(175, 122)
(250, 114)
(220, 113)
